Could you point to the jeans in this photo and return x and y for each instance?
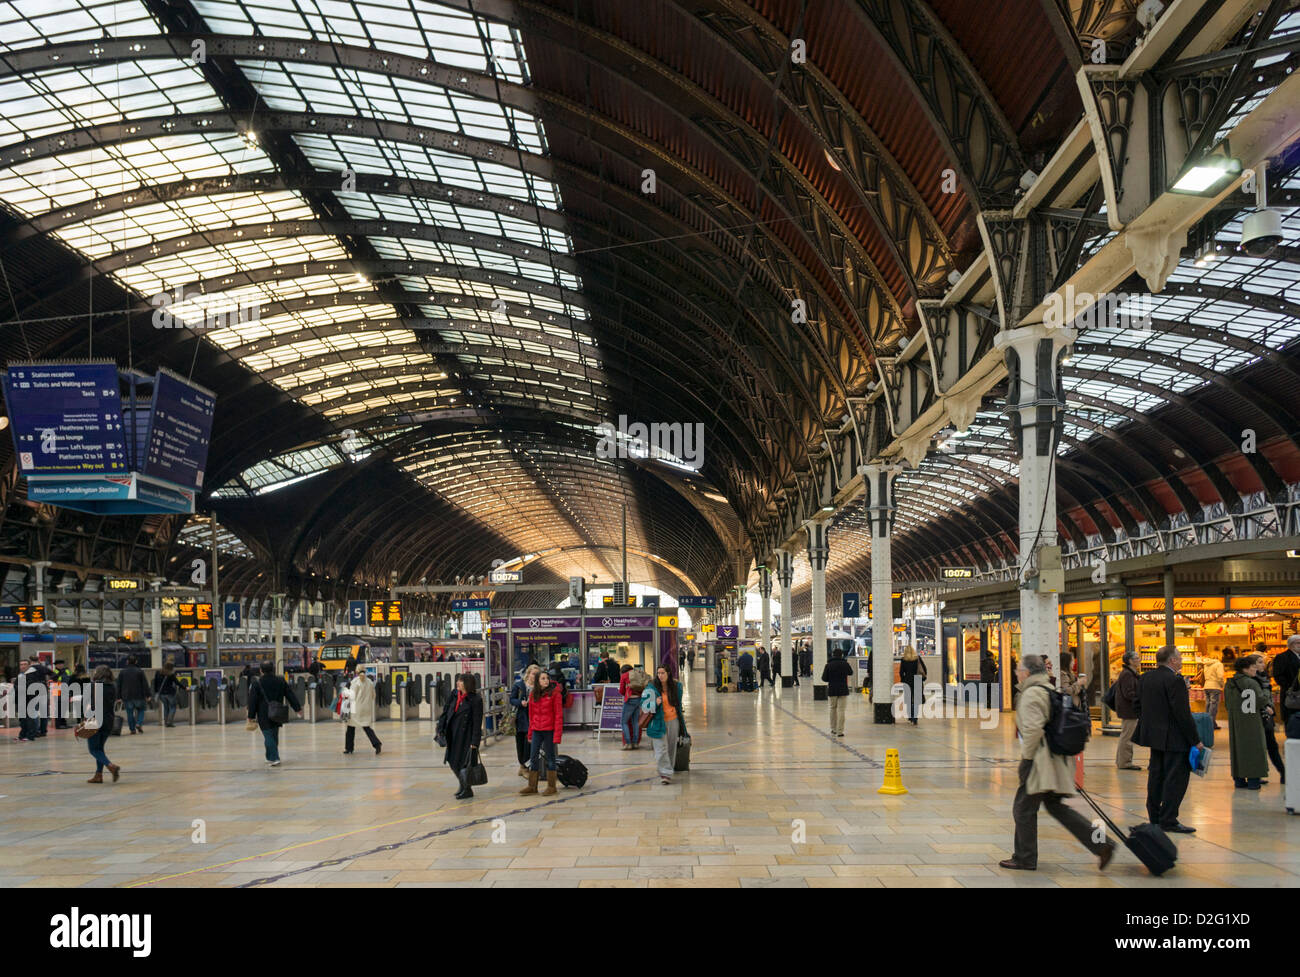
(96, 747)
(134, 713)
(522, 751)
(632, 721)
(169, 707)
(543, 741)
(350, 737)
(1025, 811)
(1212, 697)
(665, 748)
(271, 737)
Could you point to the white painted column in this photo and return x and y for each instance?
(879, 482)
(818, 556)
(1033, 355)
(155, 626)
(785, 576)
(765, 594)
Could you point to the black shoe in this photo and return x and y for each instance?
(1179, 828)
(378, 748)
(1015, 866)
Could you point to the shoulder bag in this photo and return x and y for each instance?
(276, 712)
(1292, 698)
(475, 773)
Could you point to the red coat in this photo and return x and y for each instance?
(547, 713)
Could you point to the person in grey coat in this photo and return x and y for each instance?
(1046, 778)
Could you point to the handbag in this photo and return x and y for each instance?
(1292, 698)
(475, 774)
(84, 731)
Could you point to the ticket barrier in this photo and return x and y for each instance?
(496, 703)
(410, 693)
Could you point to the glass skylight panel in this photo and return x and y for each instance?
(163, 220)
(381, 156)
(43, 185)
(410, 27)
(35, 23)
(62, 99)
(327, 90)
(161, 274)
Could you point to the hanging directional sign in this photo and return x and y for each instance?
(852, 604)
(180, 426)
(357, 613)
(472, 604)
(697, 601)
(231, 615)
(66, 418)
(84, 445)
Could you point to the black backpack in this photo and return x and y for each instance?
(1069, 727)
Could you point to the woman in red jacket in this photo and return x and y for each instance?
(545, 725)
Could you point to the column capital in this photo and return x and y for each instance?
(1024, 339)
(819, 550)
(764, 583)
(881, 502)
(784, 570)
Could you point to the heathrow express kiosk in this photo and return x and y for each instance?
(566, 636)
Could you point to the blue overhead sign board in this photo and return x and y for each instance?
(852, 604)
(357, 613)
(66, 418)
(71, 427)
(472, 604)
(697, 601)
(180, 427)
(230, 615)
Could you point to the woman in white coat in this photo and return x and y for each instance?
(361, 694)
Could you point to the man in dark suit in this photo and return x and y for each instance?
(1166, 727)
(1286, 666)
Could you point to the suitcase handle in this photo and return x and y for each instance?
(1104, 816)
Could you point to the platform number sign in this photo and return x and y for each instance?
(231, 615)
(852, 604)
(356, 613)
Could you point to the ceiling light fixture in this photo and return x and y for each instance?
(1207, 177)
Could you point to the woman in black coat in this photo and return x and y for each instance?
(460, 727)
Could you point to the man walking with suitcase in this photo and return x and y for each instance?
(1166, 727)
(1045, 778)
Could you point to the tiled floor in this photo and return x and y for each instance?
(762, 770)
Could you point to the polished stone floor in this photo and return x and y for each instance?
(770, 800)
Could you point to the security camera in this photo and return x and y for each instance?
(1261, 232)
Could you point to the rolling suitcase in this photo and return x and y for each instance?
(1147, 841)
(682, 759)
(1292, 787)
(787, 681)
(570, 772)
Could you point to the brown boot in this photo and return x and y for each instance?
(532, 783)
(97, 779)
(115, 770)
(550, 783)
(523, 771)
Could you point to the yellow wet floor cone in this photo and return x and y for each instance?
(893, 775)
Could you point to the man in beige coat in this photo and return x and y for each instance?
(1045, 778)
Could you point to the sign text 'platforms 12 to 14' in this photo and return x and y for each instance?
(385, 612)
(84, 444)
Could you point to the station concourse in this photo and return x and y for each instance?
(740, 364)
